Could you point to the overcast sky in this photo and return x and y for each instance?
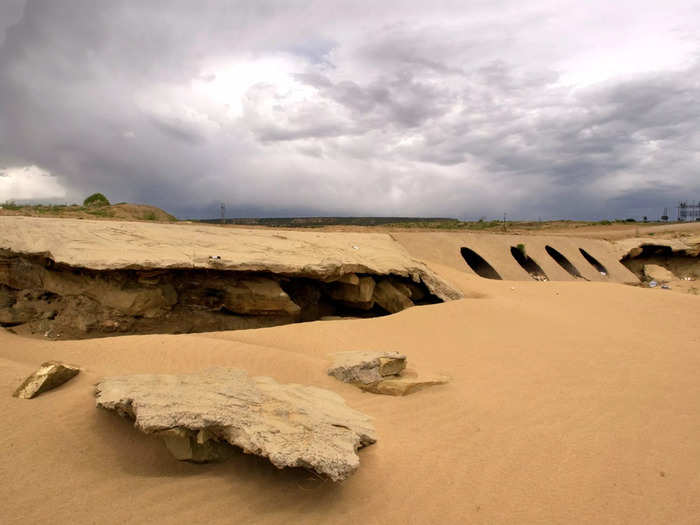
(413, 108)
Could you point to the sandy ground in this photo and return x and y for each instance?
(568, 403)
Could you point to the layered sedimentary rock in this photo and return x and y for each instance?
(109, 245)
(72, 279)
(49, 375)
(200, 416)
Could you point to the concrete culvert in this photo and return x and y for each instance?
(594, 262)
(528, 263)
(563, 262)
(477, 263)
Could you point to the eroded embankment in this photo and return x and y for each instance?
(643, 260)
(39, 296)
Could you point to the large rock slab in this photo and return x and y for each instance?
(365, 368)
(49, 375)
(654, 272)
(199, 415)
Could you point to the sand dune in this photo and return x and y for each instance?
(568, 403)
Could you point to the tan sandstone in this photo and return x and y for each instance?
(49, 375)
(199, 415)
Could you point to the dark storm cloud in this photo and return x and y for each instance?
(364, 108)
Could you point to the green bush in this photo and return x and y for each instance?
(10, 205)
(96, 199)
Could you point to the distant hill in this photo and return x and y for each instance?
(122, 211)
(311, 222)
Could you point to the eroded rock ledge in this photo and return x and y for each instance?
(75, 278)
(200, 416)
(38, 296)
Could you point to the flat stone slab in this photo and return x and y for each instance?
(49, 375)
(405, 384)
(365, 368)
(658, 273)
(200, 415)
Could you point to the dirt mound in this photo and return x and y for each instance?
(122, 211)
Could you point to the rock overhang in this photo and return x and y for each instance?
(111, 245)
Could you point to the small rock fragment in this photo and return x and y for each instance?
(350, 278)
(380, 373)
(353, 293)
(49, 375)
(407, 383)
(366, 367)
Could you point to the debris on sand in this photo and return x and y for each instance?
(200, 415)
(366, 367)
(49, 375)
(658, 273)
(404, 384)
(380, 373)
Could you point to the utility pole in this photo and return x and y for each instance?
(223, 213)
(504, 221)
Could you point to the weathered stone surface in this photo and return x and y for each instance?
(110, 245)
(388, 296)
(258, 295)
(401, 286)
(365, 367)
(49, 375)
(199, 414)
(658, 273)
(350, 293)
(350, 278)
(404, 384)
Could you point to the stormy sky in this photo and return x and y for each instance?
(546, 108)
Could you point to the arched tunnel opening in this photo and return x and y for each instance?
(594, 262)
(477, 263)
(528, 263)
(563, 262)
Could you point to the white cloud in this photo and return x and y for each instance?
(29, 183)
